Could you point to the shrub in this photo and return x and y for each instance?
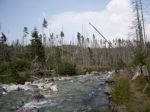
(139, 57)
(4, 68)
(9, 71)
(147, 62)
(81, 70)
(17, 65)
(20, 65)
(66, 68)
(141, 83)
(15, 78)
(98, 69)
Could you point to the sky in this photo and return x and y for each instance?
(112, 17)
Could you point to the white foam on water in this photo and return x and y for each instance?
(35, 104)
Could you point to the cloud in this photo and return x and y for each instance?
(113, 21)
(147, 28)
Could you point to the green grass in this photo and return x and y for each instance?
(121, 91)
(141, 82)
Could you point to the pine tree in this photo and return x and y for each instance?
(25, 34)
(44, 26)
(37, 48)
(4, 51)
(3, 38)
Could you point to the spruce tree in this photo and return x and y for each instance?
(37, 48)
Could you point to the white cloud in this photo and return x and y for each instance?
(113, 21)
(147, 27)
(118, 6)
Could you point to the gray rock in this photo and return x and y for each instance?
(36, 98)
(110, 81)
(33, 86)
(145, 71)
(95, 73)
(108, 90)
(29, 110)
(2, 91)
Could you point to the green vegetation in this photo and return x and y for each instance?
(139, 57)
(147, 62)
(128, 95)
(37, 49)
(66, 68)
(16, 78)
(121, 91)
(141, 83)
(9, 72)
(84, 70)
(98, 69)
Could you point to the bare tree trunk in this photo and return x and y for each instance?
(140, 32)
(143, 23)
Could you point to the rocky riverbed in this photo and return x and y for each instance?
(85, 93)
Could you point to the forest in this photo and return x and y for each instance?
(88, 54)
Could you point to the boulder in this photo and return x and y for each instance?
(54, 88)
(11, 87)
(65, 78)
(40, 85)
(29, 110)
(145, 71)
(110, 81)
(2, 91)
(28, 87)
(36, 98)
(27, 83)
(108, 90)
(95, 73)
(51, 86)
(48, 85)
(33, 86)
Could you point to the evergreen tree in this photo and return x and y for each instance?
(3, 38)
(45, 24)
(25, 33)
(61, 34)
(37, 48)
(79, 38)
(4, 51)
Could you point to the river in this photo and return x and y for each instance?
(77, 94)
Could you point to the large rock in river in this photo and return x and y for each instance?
(36, 98)
(2, 91)
(51, 86)
(29, 110)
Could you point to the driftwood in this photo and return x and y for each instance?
(145, 71)
(142, 71)
(34, 60)
(137, 73)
